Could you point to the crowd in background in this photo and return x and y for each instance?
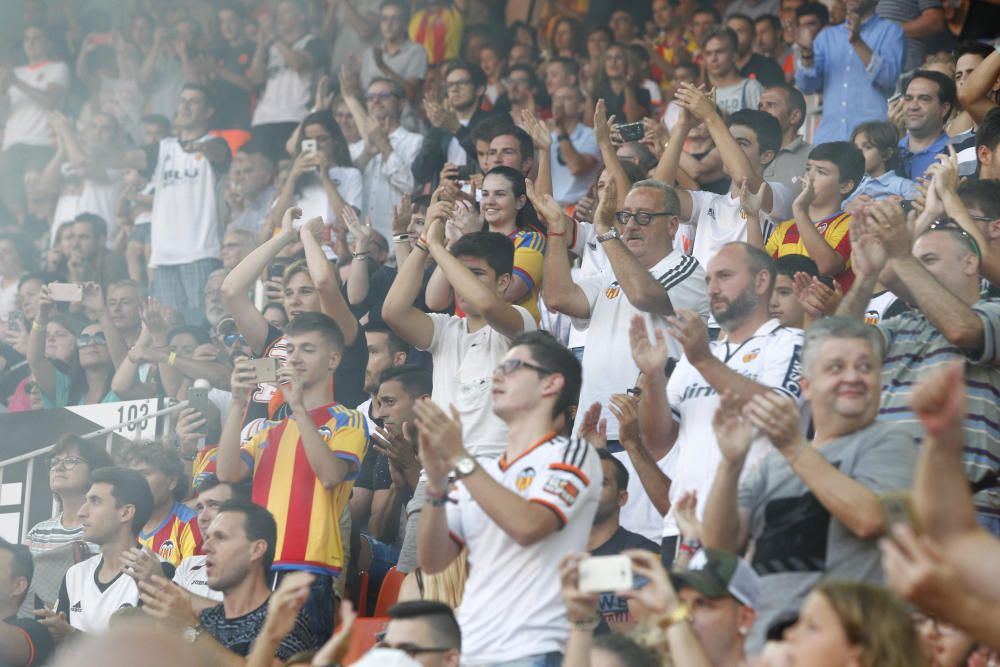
(587, 332)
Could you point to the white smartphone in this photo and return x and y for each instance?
(308, 145)
(66, 292)
(602, 574)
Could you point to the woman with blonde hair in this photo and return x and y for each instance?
(854, 624)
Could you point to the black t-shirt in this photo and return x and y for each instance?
(232, 101)
(38, 637)
(765, 70)
(615, 104)
(374, 474)
(238, 634)
(612, 607)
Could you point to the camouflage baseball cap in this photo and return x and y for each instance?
(716, 574)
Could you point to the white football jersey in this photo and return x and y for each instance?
(512, 605)
(771, 357)
(191, 576)
(91, 603)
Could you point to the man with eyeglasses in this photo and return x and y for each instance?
(426, 631)
(465, 350)
(451, 140)
(388, 152)
(647, 278)
(939, 273)
(516, 515)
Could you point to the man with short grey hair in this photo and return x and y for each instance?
(812, 509)
(647, 278)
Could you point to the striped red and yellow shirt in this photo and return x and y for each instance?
(177, 537)
(308, 515)
(785, 240)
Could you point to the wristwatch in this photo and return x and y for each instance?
(191, 633)
(464, 467)
(608, 235)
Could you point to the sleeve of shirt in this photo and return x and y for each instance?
(419, 63)
(562, 484)
(774, 240)
(441, 329)
(751, 487)
(781, 368)
(838, 239)
(699, 202)
(887, 58)
(810, 79)
(61, 75)
(348, 439)
(251, 448)
(352, 189)
(40, 642)
(754, 89)
(989, 314)
(528, 258)
(591, 286)
(398, 167)
(453, 513)
(886, 463)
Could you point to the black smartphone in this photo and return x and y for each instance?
(632, 131)
(276, 269)
(465, 172)
(826, 280)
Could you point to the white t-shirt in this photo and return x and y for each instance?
(313, 200)
(742, 95)
(639, 515)
(512, 606)
(185, 218)
(567, 188)
(88, 196)
(608, 367)
(27, 120)
(771, 357)
(719, 219)
(91, 605)
(456, 154)
(287, 93)
(463, 375)
(191, 576)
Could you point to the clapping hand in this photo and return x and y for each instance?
(732, 428)
(593, 428)
(777, 416)
(651, 358)
(939, 401)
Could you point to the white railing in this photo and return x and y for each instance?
(110, 432)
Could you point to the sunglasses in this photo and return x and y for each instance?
(83, 340)
(951, 225)
(230, 339)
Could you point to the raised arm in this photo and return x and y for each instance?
(725, 524)
(236, 287)
(826, 258)
(602, 133)
(559, 291)
(230, 467)
(868, 260)
(409, 322)
(499, 314)
(974, 93)
(327, 281)
(668, 167)
(43, 370)
(656, 422)
(543, 151)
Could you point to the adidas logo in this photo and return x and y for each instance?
(77, 607)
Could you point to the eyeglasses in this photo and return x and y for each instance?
(951, 225)
(65, 462)
(83, 340)
(371, 97)
(409, 649)
(511, 365)
(457, 84)
(642, 218)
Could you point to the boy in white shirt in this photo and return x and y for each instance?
(465, 350)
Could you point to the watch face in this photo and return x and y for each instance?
(465, 466)
(190, 635)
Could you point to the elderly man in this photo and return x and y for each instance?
(647, 275)
(811, 508)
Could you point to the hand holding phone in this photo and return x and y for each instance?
(631, 131)
(604, 574)
(265, 370)
(68, 292)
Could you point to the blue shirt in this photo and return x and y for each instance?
(916, 164)
(886, 185)
(852, 93)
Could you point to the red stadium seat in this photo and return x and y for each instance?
(363, 639)
(360, 597)
(389, 592)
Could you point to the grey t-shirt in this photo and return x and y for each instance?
(742, 95)
(796, 541)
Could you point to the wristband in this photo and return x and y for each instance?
(587, 625)
(563, 137)
(421, 245)
(400, 238)
(171, 358)
(360, 255)
(35, 325)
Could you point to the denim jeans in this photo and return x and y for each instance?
(553, 659)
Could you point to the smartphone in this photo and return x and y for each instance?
(894, 98)
(308, 145)
(265, 369)
(15, 321)
(826, 280)
(897, 508)
(465, 172)
(276, 269)
(632, 131)
(602, 574)
(66, 292)
(197, 399)
(906, 205)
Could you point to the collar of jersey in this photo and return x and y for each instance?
(504, 464)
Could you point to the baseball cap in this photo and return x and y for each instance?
(716, 573)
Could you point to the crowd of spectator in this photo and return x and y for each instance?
(649, 332)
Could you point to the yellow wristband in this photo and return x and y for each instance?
(171, 359)
(35, 325)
